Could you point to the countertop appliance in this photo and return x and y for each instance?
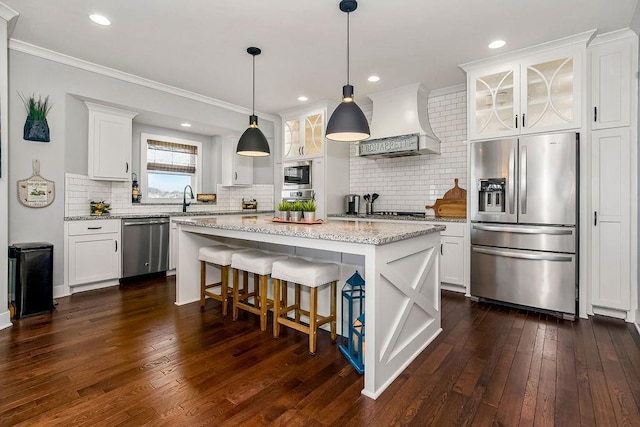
(297, 175)
(523, 221)
(145, 246)
(352, 204)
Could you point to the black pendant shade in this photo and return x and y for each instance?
(347, 123)
(253, 142)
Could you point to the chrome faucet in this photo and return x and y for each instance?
(184, 197)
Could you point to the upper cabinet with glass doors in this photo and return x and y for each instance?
(533, 93)
(303, 134)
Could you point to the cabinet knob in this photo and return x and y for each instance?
(516, 121)
(127, 167)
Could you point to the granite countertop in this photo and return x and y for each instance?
(161, 215)
(367, 232)
(398, 217)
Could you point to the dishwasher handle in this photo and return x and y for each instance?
(146, 222)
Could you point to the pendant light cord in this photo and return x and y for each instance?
(348, 43)
(253, 95)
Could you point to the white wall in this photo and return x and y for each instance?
(6, 14)
(67, 151)
(410, 183)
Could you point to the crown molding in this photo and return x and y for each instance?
(7, 13)
(40, 52)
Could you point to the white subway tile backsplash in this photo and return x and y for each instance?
(410, 183)
(80, 190)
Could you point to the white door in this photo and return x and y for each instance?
(93, 258)
(452, 260)
(610, 219)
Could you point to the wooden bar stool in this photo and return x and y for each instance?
(312, 275)
(219, 255)
(259, 263)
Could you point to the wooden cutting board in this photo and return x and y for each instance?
(449, 208)
(456, 192)
(452, 205)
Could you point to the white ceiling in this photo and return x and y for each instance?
(200, 45)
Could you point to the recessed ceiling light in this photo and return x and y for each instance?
(303, 98)
(185, 125)
(99, 19)
(373, 79)
(497, 44)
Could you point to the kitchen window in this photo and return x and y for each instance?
(167, 166)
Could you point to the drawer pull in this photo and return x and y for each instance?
(94, 228)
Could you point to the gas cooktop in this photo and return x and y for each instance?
(400, 213)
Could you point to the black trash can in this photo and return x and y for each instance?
(31, 278)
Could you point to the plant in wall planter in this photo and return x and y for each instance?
(36, 127)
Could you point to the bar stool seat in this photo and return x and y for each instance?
(312, 275)
(259, 263)
(219, 255)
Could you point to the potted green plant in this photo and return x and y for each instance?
(36, 127)
(296, 211)
(283, 210)
(309, 210)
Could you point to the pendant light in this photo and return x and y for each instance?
(348, 123)
(253, 142)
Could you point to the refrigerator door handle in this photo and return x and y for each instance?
(523, 179)
(512, 254)
(524, 230)
(511, 187)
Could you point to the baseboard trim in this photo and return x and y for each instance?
(5, 320)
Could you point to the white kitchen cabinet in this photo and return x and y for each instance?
(236, 169)
(110, 133)
(611, 256)
(611, 76)
(92, 253)
(531, 91)
(303, 133)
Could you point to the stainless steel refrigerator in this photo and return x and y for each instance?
(523, 221)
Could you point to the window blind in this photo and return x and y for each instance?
(171, 157)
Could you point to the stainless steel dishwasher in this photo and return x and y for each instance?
(145, 245)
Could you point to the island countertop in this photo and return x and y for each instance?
(357, 231)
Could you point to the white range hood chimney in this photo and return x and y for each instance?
(399, 114)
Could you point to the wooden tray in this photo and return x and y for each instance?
(302, 221)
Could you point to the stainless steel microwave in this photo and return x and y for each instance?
(296, 175)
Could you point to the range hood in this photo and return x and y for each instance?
(400, 125)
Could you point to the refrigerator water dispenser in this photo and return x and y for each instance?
(492, 194)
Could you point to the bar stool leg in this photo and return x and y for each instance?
(276, 307)
(297, 303)
(313, 318)
(203, 279)
(236, 293)
(224, 288)
(285, 304)
(256, 291)
(263, 303)
(333, 312)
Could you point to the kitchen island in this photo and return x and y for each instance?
(399, 262)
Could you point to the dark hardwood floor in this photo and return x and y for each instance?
(129, 356)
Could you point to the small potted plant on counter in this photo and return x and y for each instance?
(309, 210)
(296, 211)
(283, 210)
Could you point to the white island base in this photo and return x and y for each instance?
(401, 271)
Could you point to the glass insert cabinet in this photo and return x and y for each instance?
(303, 136)
(539, 93)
